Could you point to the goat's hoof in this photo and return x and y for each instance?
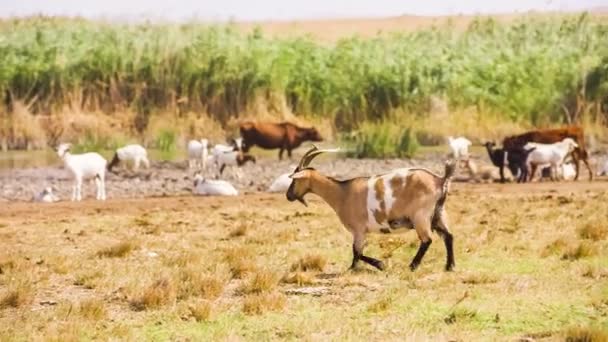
(381, 266)
(413, 267)
(449, 268)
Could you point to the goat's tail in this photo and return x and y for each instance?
(450, 169)
(114, 161)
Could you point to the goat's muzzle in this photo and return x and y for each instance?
(291, 196)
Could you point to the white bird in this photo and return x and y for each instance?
(281, 183)
(46, 196)
(211, 187)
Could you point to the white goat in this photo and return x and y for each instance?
(46, 196)
(459, 147)
(281, 183)
(403, 198)
(198, 153)
(134, 153)
(208, 187)
(84, 166)
(552, 155)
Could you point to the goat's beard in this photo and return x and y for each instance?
(301, 200)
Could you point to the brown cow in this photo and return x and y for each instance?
(550, 136)
(284, 136)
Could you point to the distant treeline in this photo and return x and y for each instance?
(532, 70)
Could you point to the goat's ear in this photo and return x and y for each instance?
(299, 174)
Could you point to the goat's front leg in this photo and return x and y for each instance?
(358, 242)
(97, 188)
(74, 189)
(78, 189)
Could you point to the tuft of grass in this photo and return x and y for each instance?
(558, 246)
(593, 231)
(459, 315)
(93, 309)
(87, 279)
(382, 140)
(118, 250)
(240, 261)
(310, 263)
(380, 305)
(585, 334)
(192, 282)
(479, 278)
(298, 278)
(157, 294)
(201, 310)
(257, 304)
(261, 281)
(17, 295)
(584, 249)
(240, 230)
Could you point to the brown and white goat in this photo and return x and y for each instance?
(403, 198)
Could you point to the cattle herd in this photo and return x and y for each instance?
(523, 155)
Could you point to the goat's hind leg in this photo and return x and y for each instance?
(423, 229)
(358, 243)
(440, 225)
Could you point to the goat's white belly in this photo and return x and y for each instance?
(381, 203)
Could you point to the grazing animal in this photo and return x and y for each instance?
(198, 153)
(234, 159)
(284, 136)
(550, 136)
(515, 160)
(84, 166)
(209, 187)
(46, 196)
(459, 147)
(403, 198)
(134, 153)
(517, 163)
(551, 154)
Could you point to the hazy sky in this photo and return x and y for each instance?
(278, 9)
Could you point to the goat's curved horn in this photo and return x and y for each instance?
(312, 153)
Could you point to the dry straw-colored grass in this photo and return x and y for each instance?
(193, 282)
(594, 230)
(240, 261)
(16, 297)
(93, 309)
(261, 281)
(118, 250)
(298, 278)
(584, 249)
(239, 230)
(157, 294)
(257, 304)
(201, 310)
(310, 262)
(585, 334)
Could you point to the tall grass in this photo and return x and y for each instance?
(533, 70)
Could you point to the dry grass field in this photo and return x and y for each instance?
(531, 262)
(330, 30)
